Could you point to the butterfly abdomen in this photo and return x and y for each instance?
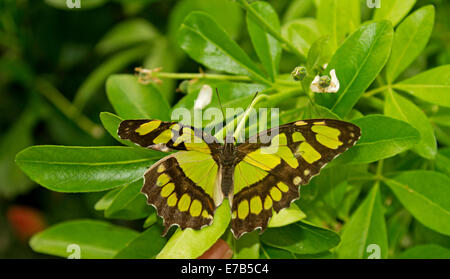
(227, 169)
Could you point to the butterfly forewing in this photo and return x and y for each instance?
(273, 165)
(166, 136)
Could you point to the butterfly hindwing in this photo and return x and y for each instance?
(166, 136)
(273, 164)
(180, 187)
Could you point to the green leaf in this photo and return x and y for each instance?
(425, 195)
(301, 238)
(96, 239)
(382, 137)
(145, 246)
(366, 227)
(432, 86)
(429, 251)
(131, 99)
(84, 169)
(267, 47)
(125, 34)
(410, 39)
(394, 10)
(207, 43)
(96, 79)
(226, 13)
(190, 244)
(338, 18)
(286, 216)
(275, 253)
(247, 247)
(357, 63)
(443, 160)
(401, 108)
(302, 33)
(151, 220)
(297, 9)
(111, 123)
(129, 203)
(107, 199)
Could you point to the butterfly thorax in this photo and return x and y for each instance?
(227, 168)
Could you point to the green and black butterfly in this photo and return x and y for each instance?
(259, 177)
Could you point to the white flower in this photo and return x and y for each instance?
(332, 88)
(204, 97)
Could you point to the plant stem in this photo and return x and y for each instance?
(67, 108)
(257, 17)
(379, 172)
(214, 76)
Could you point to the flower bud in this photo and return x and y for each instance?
(324, 81)
(299, 73)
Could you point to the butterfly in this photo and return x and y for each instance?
(260, 176)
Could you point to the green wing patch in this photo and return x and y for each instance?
(166, 136)
(273, 164)
(182, 194)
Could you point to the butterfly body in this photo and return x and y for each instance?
(258, 177)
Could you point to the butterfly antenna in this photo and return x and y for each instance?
(220, 103)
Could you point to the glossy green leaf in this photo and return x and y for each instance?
(410, 39)
(111, 123)
(365, 230)
(132, 100)
(401, 108)
(301, 238)
(84, 169)
(432, 86)
(428, 251)
(189, 243)
(425, 195)
(94, 239)
(125, 34)
(129, 203)
(338, 18)
(107, 199)
(393, 10)
(382, 137)
(247, 247)
(207, 43)
(287, 216)
(357, 63)
(145, 246)
(267, 47)
(96, 80)
(302, 33)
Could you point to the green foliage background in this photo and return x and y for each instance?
(64, 71)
